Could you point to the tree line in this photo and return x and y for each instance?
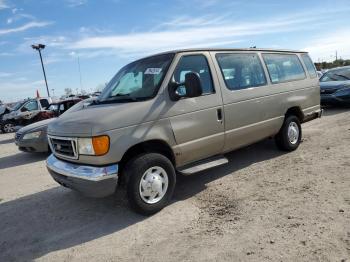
(335, 63)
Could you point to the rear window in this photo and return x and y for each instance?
(284, 67)
(241, 71)
(309, 65)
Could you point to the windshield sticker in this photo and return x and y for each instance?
(153, 71)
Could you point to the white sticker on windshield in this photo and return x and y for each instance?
(153, 71)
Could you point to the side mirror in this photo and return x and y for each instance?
(192, 87)
(23, 109)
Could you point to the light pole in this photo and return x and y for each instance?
(38, 47)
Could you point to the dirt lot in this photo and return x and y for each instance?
(263, 206)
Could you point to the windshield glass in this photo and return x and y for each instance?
(342, 74)
(139, 80)
(17, 106)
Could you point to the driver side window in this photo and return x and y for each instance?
(31, 106)
(197, 64)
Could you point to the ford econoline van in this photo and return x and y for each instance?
(179, 112)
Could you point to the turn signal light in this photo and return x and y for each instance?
(100, 144)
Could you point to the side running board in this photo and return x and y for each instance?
(203, 165)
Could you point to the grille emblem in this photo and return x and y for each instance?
(59, 147)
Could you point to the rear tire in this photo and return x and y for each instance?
(289, 136)
(151, 180)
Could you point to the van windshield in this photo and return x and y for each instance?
(137, 81)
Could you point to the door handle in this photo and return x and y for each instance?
(219, 114)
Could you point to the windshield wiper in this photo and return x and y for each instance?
(119, 98)
(122, 97)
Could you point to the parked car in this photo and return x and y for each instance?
(181, 111)
(33, 138)
(335, 86)
(3, 111)
(26, 112)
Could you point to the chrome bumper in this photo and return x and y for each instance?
(90, 173)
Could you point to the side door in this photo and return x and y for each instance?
(244, 85)
(29, 109)
(197, 123)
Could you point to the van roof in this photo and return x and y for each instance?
(232, 49)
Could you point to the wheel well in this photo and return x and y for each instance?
(152, 146)
(296, 111)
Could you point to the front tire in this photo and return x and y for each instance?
(8, 127)
(289, 136)
(151, 182)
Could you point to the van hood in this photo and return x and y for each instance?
(86, 119)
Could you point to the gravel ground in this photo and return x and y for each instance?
(264, 205)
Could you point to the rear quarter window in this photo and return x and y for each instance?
(284, 67)
(310, 67)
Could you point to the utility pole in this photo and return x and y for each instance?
(38, 48)
(336, 55)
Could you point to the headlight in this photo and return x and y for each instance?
(95, 146)
(32, 135)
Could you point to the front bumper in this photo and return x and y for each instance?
(91, 181)
(37, 145)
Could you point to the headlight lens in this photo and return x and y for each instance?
(32, 135)
(97, 146)
(85, 146)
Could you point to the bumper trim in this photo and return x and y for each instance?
(90, 173)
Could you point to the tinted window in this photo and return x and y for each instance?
(241, 71)
(197, 64)
(31, 106)
(44, 103)
(309, 65)
(284, 67)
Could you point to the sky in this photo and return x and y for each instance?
(102, 36)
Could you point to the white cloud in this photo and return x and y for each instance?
(324, 47)
(6, 54)
(186, 33)
(3, 4)
(17, 90)
(75, 3)
(24, 27)
(5, 74)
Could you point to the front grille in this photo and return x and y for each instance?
(328, 91)
(18, 136)
(64, 146)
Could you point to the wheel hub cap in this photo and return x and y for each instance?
(153, 185)
(293, 133)
(8, 128)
